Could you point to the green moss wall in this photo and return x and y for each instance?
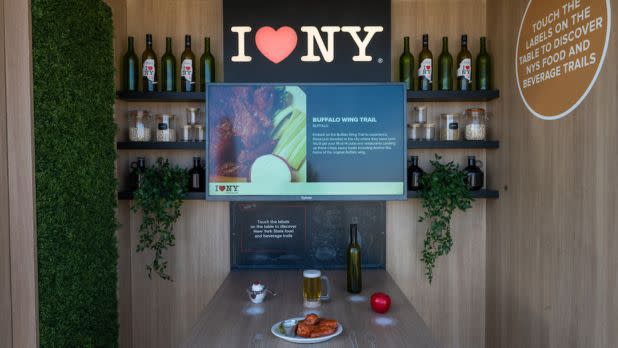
(75, 186)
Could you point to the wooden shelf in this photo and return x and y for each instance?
(127, 195)
(452, 96)
(138, 145)
(484, 193)
(162, 96)
(460, 144)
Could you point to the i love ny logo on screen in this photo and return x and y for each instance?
(282, 41)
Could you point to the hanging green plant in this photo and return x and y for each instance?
(159, 198)
(443, 190)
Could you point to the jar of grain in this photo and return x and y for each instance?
(449, 127)
(476, 124)
(140, 125)
(166, 128)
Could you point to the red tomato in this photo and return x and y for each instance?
(380, 302)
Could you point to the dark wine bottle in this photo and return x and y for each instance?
(425, 67)
(355, 283)
(406, 65)
(168, 67)
(197, 177)
(149, 67)
(187, 67)
(130, 68)
(474, 176)
(137, 173)
(445, 68)
(415, 173)
(464, 66)
(483, 68)
(207, 65)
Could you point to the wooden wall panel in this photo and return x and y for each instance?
(453, 306)
(551, 252)
(6, 335)
(20, 150)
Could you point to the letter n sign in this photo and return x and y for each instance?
(307, 40)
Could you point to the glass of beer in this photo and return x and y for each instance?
(312, 288)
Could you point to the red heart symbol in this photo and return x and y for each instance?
(428, 67)
(467, 67)
(150, 68)
(221, 188)
(188, 67)
(276, 45)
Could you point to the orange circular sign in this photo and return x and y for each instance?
(560, 51)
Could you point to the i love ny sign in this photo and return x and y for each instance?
(306, 41)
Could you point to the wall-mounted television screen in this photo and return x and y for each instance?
(298, 141)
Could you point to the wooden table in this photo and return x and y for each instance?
(231, 320)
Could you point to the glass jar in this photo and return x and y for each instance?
(186, 133)
(193, 116)
(449, 127)
(429, 132)
(420, 114)
(476, 124)
(415, 131)
(140, 126)
(166, 128)
(198, 132)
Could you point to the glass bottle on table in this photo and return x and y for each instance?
(464, 66)
(425, 67)
(187, 67)
(445, 68)
(483, 68)
(406, 65)
(168, 68)
(207, 65)
(130, 68)
(354, 276)
(149, 67)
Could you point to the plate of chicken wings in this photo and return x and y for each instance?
(310, 329)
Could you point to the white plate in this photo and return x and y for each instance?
(297, 339)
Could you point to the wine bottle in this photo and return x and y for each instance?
(445, 68)
(137, 173)
(415, 173)
(187, 69)
(197, 177)
(425, 67)
(354, 262)
(168, 67)
(130, 68)
(483, 68)
(464, 66)
(406, 65)
(149, 67)
(207, 65)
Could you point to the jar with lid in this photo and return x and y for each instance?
(449, 127)
(476, 124)
(140, 125)
(420, 114)
(166, 128)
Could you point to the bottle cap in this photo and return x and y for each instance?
(149, 39)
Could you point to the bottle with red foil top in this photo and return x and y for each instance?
(464, 66)
(425, 67)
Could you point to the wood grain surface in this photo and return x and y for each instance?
(552, 235)
(231, 320)
(6, 334)
(20, 159)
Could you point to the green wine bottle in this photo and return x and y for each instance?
(464, 66)
(425, 67)
(149, 67)
(130, 68)
(187, 68)
(483, 68)
(355, 283)
(207, 65)
(168, 65)
(445, 68)
(406, 65)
